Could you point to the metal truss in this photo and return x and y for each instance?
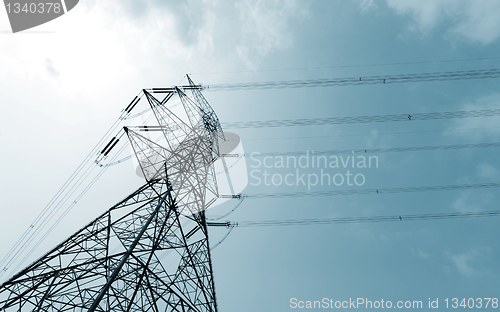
(149, 252)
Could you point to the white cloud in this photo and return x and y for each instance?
(267, 23)
(367, 5)
(244, 55)
(487, 171)
(469, 264)
(469, 200)
(423, 254)
(465, 202)
(476, 21)
(420, 253)
(463, 263)
(484, 128)
(99, 43)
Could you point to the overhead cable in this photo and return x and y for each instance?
(393, 218)
(363, 119)
(366, 80)
(369, 191)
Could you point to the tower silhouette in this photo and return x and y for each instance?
(150, 251)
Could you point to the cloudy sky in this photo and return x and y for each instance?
(64, 83)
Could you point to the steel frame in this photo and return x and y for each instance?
(150, 251)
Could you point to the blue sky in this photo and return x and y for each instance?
(63, 84)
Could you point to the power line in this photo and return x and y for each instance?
(216, 218)
(367, 80)
(320, 154)
(350, 151)
(72, 185)
(363, 119)
(412, 217)
(54, 205)
(350, 66)
(223, 238)
(377, 150)
(371, 191)
(366, 134)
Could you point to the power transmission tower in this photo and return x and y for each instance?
(117, 261)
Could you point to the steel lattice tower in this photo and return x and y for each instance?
(116, 262)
